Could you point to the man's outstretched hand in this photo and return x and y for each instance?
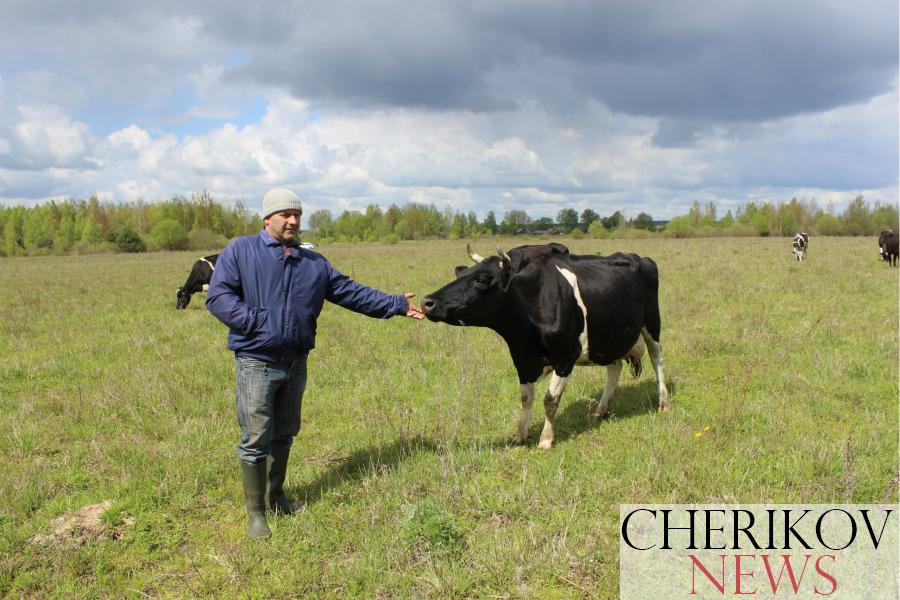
(413, 311)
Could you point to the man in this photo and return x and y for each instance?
(269, 291)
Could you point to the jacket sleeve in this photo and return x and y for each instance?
(347, 293)
(225, 298)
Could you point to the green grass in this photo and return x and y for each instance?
(404, 459)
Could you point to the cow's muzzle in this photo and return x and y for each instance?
(433, 309)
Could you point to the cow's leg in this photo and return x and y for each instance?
(527, 392)
(613, 372)
(655, 351)
(551, 403)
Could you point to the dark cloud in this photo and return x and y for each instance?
(693, 60)
(742, 60)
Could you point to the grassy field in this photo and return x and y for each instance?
(405, 462)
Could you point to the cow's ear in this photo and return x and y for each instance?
(459, 270)
(516, 260)
(504, 278)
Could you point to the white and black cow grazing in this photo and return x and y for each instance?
(800, 245)
(889, 246)
(197, 281)
(556, 310)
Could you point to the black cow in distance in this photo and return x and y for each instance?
(197, 281)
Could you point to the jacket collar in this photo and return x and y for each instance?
(292, 247)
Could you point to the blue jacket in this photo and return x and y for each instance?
(271, 297)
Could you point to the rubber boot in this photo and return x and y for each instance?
(254, 476)
(277, 464)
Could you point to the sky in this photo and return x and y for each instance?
(631, 105)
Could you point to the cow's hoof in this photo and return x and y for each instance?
(545, 444)
(598, 415)
(517, 441)
(665, 407)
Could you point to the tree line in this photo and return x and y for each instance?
(202, 223)
(90, 226)
(784, 219)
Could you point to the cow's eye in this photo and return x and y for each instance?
(483, 283)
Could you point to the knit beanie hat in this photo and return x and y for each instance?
(278, 199)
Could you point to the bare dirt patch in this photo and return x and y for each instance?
(83, 526)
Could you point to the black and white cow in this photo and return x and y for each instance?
(197, 281)
(800, 245)
(889, 246)
(556, 310)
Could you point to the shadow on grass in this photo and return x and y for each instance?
(575, 417)
(360, 464)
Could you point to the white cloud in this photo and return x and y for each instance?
(132, 138)
(49, 137)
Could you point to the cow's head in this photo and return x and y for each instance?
(183, 298)
(476, 294)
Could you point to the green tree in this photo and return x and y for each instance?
(727, 220)
(12, 232)
(36, 230)
(828, 224)
(587, 217)
(322, 223)
(65, 234)
(567, 219)
(695, 213)
(459, 226)
(202, 204)
(788, 224)
(761, 223)
(541, 224)
(614, 221)
(858, 218)
(169, 234)
(598, 230)
(472, 222)
(490, 222)
(643, 221)
(403, 230)
(91, 233)
(514, 221)
(126, 239)
(393, 216)
(884, 217)
(680, 227)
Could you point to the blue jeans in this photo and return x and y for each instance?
(269, 396)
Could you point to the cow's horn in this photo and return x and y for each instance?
(472, 255)
(503, 255)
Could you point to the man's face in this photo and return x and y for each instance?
(283, 226)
